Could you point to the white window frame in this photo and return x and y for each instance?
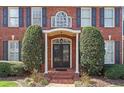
(32, 14)
(113, 51)
(113, 17)
(69, 25)
(85, 18)
(9, 25)
(11, 41)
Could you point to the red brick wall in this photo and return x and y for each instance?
(71, 11)
(6, 32)
(115, 32)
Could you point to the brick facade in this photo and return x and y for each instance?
(18, 32)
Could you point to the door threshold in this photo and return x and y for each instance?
(61, 69)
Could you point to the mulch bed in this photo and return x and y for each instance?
(12, 78)
(104, 82)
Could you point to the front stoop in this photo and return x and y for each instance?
(62, 77)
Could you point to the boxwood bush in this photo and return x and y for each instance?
(33, 48)
(11, 69)
(92, 51)
(115, 71)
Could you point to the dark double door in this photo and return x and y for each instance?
(61, 55)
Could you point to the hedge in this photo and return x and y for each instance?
(8, 68)
(92, 51)
(115, 71)
(33, 48)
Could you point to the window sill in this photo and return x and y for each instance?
(109, 27)
(61, 27)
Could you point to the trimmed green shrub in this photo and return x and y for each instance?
(4, 69)
(92, 51)
(11, 69)
(33, 48)
(115, 71)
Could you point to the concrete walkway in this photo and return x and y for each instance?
(60, 85)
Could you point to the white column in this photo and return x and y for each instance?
(77, 55)
(46, 57)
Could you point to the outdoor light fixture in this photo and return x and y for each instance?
(109, 36)
(61, 40)
(13, 36)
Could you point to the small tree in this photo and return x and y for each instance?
(92, 50)
(33, 48)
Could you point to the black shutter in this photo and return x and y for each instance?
(44, 16)
(78, 17)
(28, 16)
(21, 17)
(123, 28)
(20, 46)
(117, 52)
(101, 17)
(5, 16)
(5, 50)
(117, 16)
(93, 16)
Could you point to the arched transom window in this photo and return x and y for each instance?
(61, 41)
(61, 19)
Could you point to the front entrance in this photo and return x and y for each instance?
(61, 55)
(61, 52)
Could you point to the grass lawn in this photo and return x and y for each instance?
(7, 84)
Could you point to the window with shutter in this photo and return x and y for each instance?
(36, 16)
(86, 16)
(109, 17)
(13, 50)
(109, 52)
(13, 16)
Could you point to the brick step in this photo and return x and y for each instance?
(62, 81)
(61, 72)
(61, 75)
(65, 76)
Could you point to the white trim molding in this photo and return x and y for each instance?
(61, 29)
(61, 19)
(77, 54)
(46, 54)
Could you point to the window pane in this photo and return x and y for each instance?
(13, 52)
(36, 17)
(85, 13)
(85, 22)
(36, 21)
(13, 22)
(108, 22)
(61, 19)
(13, 12)
(109, 52)
(37, 14)
(108, 13)
(53, 21)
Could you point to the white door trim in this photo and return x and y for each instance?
(70, 50)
